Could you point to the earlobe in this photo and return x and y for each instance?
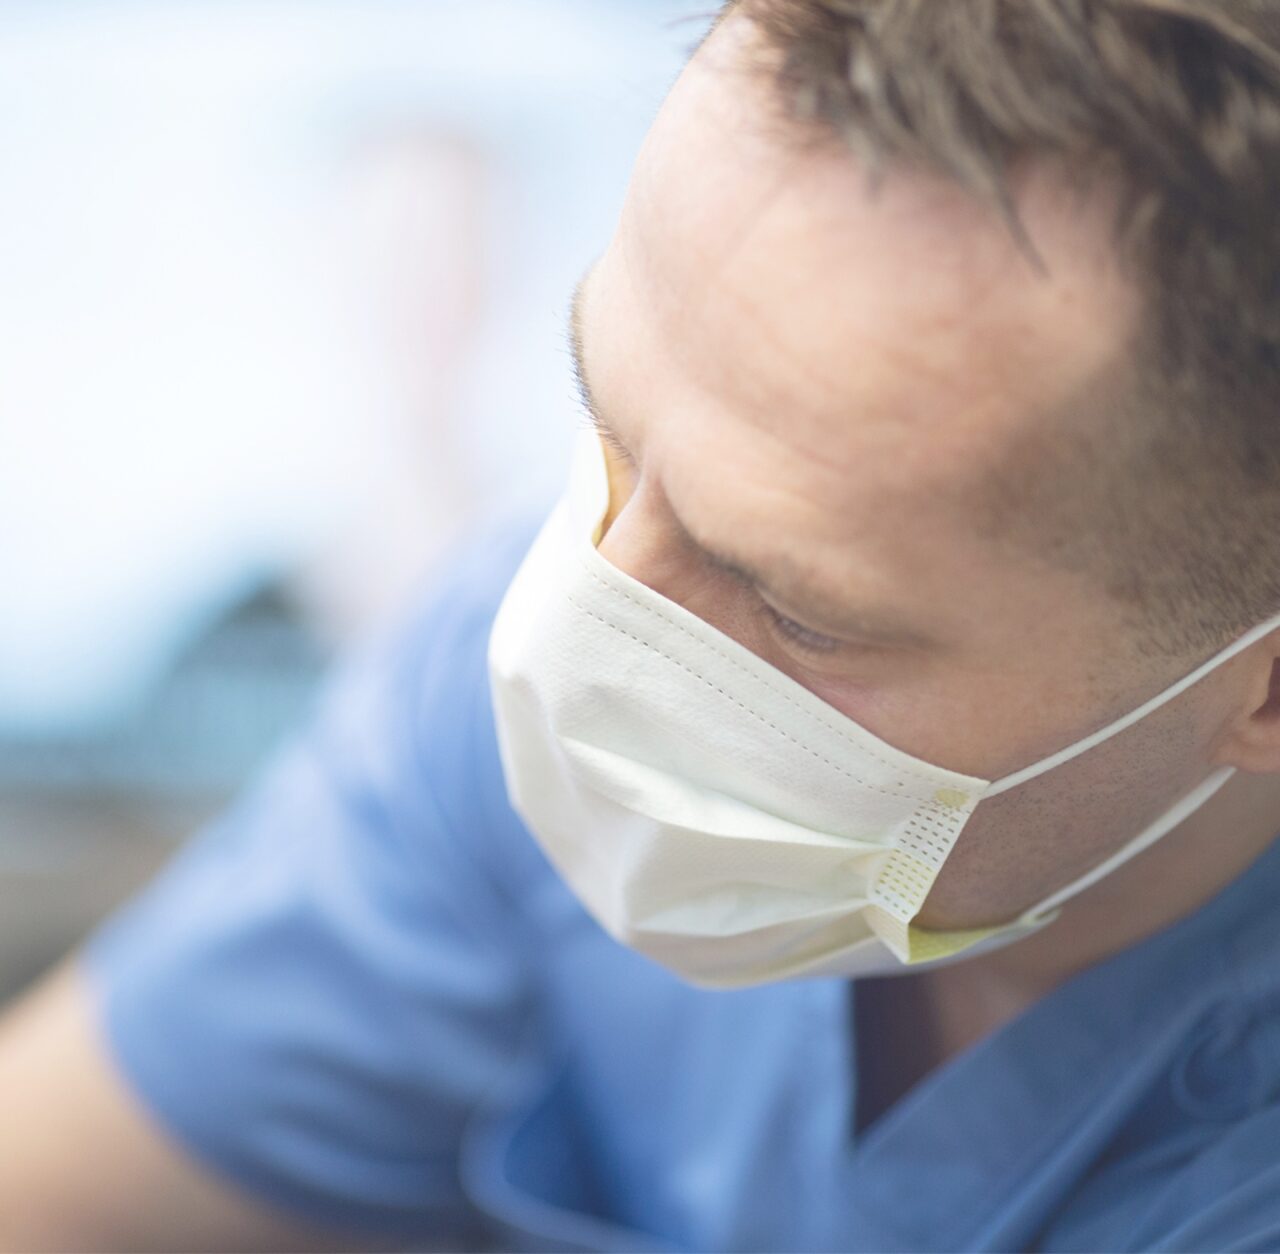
(1253, 743)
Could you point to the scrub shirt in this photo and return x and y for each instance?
(364, 997)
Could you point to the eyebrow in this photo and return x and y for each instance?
(788, 584)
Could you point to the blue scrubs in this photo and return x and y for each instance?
(364, 997)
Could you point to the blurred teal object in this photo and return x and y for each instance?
(199, 732)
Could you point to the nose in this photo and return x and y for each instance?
(642, 538)
(638, 536)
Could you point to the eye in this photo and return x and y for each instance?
(801, 636)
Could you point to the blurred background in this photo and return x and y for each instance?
(283, 290)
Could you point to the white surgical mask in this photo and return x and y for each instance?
(708, 810)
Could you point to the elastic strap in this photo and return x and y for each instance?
(1128, 720)
(1166, 823)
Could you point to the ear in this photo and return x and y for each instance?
(1252, 742)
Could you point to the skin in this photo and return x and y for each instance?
(804, 375)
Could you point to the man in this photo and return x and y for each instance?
(936, 358)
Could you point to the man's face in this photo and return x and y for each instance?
(812, 384)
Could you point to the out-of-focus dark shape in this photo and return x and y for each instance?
(86, 816)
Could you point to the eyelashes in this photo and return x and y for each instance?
(799, 635)
(608, 439)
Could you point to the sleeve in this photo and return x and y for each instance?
(322, 988)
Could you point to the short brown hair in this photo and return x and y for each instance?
(1179, 102)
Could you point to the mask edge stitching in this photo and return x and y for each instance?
(765, 682)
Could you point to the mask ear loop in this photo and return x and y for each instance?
(1162, 826)
(1134, 716)
(1198, 796)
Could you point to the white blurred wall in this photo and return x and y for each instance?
(282, 289)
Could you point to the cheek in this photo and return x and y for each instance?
(1025, 844)
(863, 691)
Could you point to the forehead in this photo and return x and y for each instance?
(901, 334)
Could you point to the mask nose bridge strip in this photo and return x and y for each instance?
(1127, 720)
